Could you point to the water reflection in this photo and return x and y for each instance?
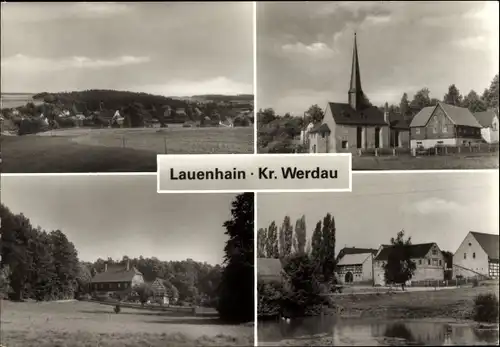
(343, 332)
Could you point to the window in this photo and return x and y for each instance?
(470, 244)
(417, 131)
(440, 262)
(445, 128)
(465, 255)
(119, 285)
(434, 252)
(420, 262)
(428, 262)
(345, 144)
(473, 255)
(125, 285)
(314, 148)
(494, 126)
(322, 135)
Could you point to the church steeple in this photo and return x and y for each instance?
(355, 91)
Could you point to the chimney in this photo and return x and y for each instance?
(128, 264)
(105, 266)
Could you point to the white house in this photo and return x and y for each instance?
(489, 122)
(477, 256)
(428, 259)
(355, 265)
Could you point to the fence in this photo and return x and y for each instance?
(446, 283)
(191, 310)
(434, 151)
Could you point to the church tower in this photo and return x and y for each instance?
(355, 91)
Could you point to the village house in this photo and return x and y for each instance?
(489, 123)
(269, 270)
(355, 265)
(116, 278)
(477, 256)
(444, 125)
(160, 293)
(353, 125)
(400, 131)
(429, 261)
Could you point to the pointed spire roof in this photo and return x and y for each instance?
(355, 74)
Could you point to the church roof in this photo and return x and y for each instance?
(344, 114)
(355, 85)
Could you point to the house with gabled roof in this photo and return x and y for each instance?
(444, 125)
(116, 278)
(428, 258)
(489, 123)
(352, 125)
(477, 256)
(355, 265)
(269, 270)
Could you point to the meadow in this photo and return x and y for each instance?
(116, 150)
(76, 324)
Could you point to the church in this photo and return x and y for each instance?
(350, 126)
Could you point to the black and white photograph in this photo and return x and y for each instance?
(403, 259)
(105, 87)
(106, 261)
(402, 85)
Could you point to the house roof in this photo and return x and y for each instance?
(458, 115)
(355, 250)
(354, 259)
(489, 242)
(269, 267)
(345, 114)
(116, 273)
(320, 128)
(485, 118)
(416, 251)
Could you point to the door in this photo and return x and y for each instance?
(359, 137)
(348, 277)
(377, 137)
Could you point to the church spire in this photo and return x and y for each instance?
(355, 91)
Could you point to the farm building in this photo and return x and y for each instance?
(477, 256)
(116, 278)
(444, 125)
(489, 123)
(355, 265)
(269, 270)
(159, 291)
(428, 259)
(352, 125)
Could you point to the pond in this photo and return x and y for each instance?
(330, 330)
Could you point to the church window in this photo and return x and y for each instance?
(344, 144)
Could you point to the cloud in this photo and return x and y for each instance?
(23, 63)
(473, 42)
(432, 206)
(33, 12)
(218, 85)
(317, 49)
(375, 20)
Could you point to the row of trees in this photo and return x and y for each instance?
(44, 266)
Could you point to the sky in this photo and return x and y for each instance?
(431, 207)
(304, 50)
(113, 216)
(171, 49)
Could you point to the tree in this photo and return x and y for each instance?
(473, 102)
(316, 246)
(420, 100)
(315, 114)
(265, 116)
(272, 249)
(328, 243)
(453, 97)
(286, 238)
(236, 295)
(144, 291)
(404, 105)
(399, 267)
(4, 281)
(65, 263)
(261, 243)
(300, 237)
(490, 95)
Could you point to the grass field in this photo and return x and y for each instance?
(76, 324)
(442, 162)
(116, 150)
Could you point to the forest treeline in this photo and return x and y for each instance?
(276, 132)
(44, 265)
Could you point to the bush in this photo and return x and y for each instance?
(270, 298)
(486, 308)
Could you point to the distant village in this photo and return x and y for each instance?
(477, 257)
(120, 109)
